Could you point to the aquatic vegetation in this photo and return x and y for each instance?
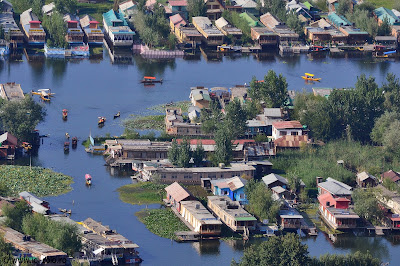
(38, 180)
(162, 222)
(184, 105)
(140, 122)
(142, 193)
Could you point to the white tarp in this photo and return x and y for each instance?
(98, 251)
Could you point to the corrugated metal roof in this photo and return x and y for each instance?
(336, 187)
(177, 192)
(364, 175)
(287, 125)
(290, 141)
(383, 12)
(271, 178)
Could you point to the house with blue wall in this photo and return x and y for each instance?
(231, 187)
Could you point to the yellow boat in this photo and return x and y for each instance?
(308, 76)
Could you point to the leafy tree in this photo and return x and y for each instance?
(59, 235)
(391, 140)
(385, 29)
(198, 154)
(382, 124)
(260, 200)
(223, 147)
(277, 250)
(184, 154)
(237, 21)
(4, 190)
(196, 8)
(293, 22)
(210, 118)
(173, 153)
(261, 138)
(66, 6)
(344, 7)
(37, 8)
(16, 214)
(276, 7)
(363, 19)
(366, 205)
(273, 90)
(391, 89)
(56, 29)
(141, 5)
(235, 119)
(6, 257)
(20, 118)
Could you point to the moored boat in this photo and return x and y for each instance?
(101, 121)
(117, 115)
(66, 146)
(88, 179)
(74, 142)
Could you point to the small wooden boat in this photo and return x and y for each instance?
(88, 179)
(310, 77)
(65, 211)
(67, 135)
(317, 48)
(101, 121)
(64, 114)
(150, 80)
(117, 115)
(74, 142)
(26, 146)
(66, 146)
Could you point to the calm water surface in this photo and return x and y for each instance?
(96, 87)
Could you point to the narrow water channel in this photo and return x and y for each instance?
(97, 87)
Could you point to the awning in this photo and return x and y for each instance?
(98, 251)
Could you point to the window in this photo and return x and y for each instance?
(241, 195)
(163, 176)
(174, 177)
(282, 133)
(295, 133)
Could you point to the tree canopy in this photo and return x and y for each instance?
(20, 118)
(196, 8)
(260, 200)
(15, 215)
(57, 29)
(366, 205)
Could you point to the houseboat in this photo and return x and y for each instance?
(117, 30)
(74, 31)
(32, 27)
(38, 205)
(232, 214)
(290, 219)
(211, 35)
(10, 28)
(107, 245)
(200, 219)
(93, 33)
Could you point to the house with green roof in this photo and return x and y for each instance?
(251, 19)
(353, 34)
(338, 20)
(116, 29)
(383, 13)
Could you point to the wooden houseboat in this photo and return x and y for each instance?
(117, 30)
(93, 33)
(32, 27)
(74, 31)
(8, 145)
(200, 218)
(107, 245)
(10, 28)
(264, 37)
(211, 35)
(290, 219)
(231, 213)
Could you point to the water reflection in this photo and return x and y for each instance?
(207, 247)
(152, 67)
(58, 66)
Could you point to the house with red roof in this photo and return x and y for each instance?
(336, 213)
(176, 193)
(392, 175)
(284, 128)
(8, 145)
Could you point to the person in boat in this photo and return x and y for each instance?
(117, 115)
(67, 135)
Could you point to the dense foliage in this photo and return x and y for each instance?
(6, 257)
(66, 6)
(310, 162)
(62, 236)
(346, 113)
(181, 154)
(288, 250)
(234, 19)
(20, 118)
(142, 193)
(153, 27)
(366, 205)
(56, 29)
(260, 200)
(196, 8)
(40, 181)
(15, 214)
(272, 90)
(277, 250)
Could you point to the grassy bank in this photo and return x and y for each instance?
(95, 10)
(161, 222)
(139, 122)
(40, 181)
(142, 193)
(385, 3)
(184, 105)
(308, 163)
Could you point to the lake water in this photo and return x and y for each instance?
(96, 87)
